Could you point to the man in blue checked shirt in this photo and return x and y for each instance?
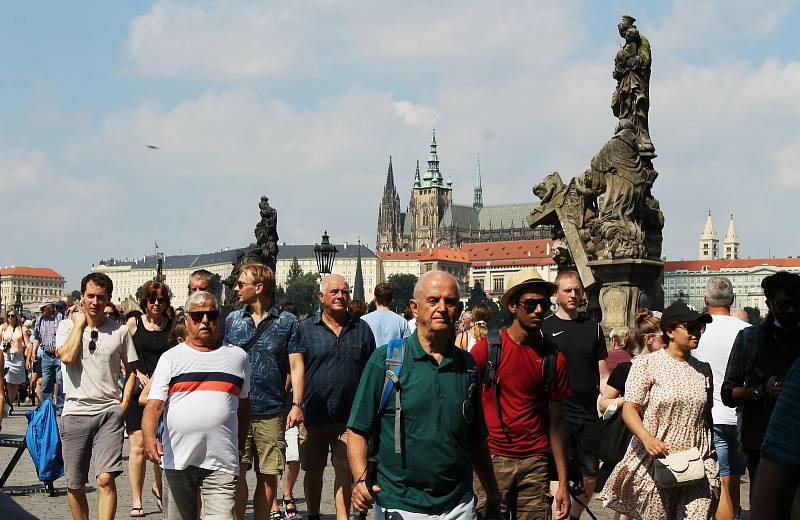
(271, 339)
(45, 337)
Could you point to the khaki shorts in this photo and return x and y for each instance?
(315, 441)
(524, 485)
(87, 436)
(268, 441)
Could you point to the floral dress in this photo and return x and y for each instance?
(675, 396)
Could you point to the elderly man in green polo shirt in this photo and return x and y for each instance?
(442, 428)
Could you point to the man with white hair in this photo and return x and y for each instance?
(715, 348)
(335, 347)
(428, 428)
(202, 387)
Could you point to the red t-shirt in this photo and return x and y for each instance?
(521, 391)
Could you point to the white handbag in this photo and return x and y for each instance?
(678, 469)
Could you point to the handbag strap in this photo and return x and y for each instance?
(260, 329)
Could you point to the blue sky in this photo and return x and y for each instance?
(304, 101)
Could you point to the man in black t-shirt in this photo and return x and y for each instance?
(583, 344)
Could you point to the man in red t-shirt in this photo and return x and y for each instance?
(520, 454)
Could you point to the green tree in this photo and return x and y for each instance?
(302, 293)
(402, 289)
(295, 272)
(754, 316)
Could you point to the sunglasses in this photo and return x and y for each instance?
(530, 305)
(197, 316)
(161, 300)
(93, 343)
(695, 329)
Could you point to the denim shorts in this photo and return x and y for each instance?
(732, 460)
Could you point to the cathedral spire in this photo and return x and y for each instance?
(433, 176)
(477, 200)
(358, 283)
(390, 177)
(417, 182)
(731, 242)
(709, 241)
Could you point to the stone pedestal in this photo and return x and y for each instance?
(623, 286)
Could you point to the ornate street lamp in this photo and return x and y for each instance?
(325, 253)
(18, 303)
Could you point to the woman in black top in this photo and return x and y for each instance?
(151, 333)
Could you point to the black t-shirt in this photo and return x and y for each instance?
(582, 342)
(619, 376)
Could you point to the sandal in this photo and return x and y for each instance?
(158, 499)
(291, 512)
(140, 513)
(275, 515)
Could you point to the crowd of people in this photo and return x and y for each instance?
(422, 415)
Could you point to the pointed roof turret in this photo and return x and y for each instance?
(417, 181)
(433, 176)
(708, 231)
(477, 199)
(390, 177)
(730, 236)
(358, 283)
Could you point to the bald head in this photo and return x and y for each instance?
(331, 278)
(334, 293)
(436, 277)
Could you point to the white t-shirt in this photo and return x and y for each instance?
(90, 383)
(201, 391)
(715, 348)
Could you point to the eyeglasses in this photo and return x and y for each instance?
(12, 315)
(695, 329)
(93, 343)
(162, 300)
(197, 316)
(241, 284)
(530, 305)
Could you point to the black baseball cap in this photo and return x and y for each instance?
(679, 312)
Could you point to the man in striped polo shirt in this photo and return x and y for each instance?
(202, 387)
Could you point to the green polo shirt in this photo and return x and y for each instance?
(441, 425)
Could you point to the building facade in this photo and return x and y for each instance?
(452, 261)
(492, 263)
(35, 284)
(687, 280)
(434, 220)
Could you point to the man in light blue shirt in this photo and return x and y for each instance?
(385, 324)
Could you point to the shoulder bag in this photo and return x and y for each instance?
(679, 469)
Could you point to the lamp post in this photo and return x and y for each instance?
(325, 253)
(18, 303)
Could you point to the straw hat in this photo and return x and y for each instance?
(524, 279)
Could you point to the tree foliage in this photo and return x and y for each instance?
(402, 289)
(295, 272)
(302, 293)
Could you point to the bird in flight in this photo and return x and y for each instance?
(152, 147)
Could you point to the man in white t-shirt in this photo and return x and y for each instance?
(715, 348)
(91, 348)
(202, 387)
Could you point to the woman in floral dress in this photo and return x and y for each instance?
(667, 408)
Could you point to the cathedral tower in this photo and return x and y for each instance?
(389, 225)
(731, 242)
(709, 241)
(430, 198)
(477, 199)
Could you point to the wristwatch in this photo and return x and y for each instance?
(301, 405)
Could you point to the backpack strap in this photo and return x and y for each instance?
(490, 374)
(395, 352)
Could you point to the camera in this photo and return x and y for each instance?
(6, 346)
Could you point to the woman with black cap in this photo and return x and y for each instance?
(668, 398)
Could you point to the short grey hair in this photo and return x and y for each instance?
(323, 284)
(428, 274)
(719, 292)
(200, 298)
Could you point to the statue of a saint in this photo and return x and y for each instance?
(631, 99)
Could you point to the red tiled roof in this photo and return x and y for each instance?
(514, 249)
(438, 253)
(39, 272)
(739, 263)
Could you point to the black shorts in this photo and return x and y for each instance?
(588, 463)
(37, 367)
(133, 415)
